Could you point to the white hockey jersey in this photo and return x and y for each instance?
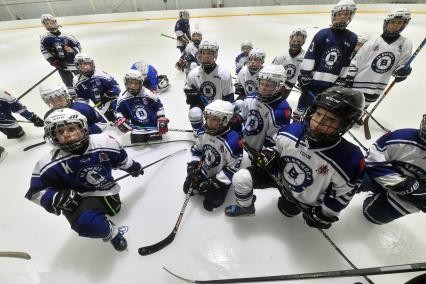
(291, 66)
(248, 80)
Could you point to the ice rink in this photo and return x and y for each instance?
(208, 245)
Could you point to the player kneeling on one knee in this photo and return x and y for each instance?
(216, 156)
(315, 168)
(139, 111)
(75, 179)
(396, 167)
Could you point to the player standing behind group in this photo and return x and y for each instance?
(317, 166)
(292, 59)
(59, 49)
(247, 79)
(207, 83)
(8, 124)
(154, 82)
(182, 30)
(379, 59)
(396, 175)
(242, 58)
(56, 96)
(139, 111)
(96, 86)
(221, 153)
(75, 178)
(328, 56)
(190, 57)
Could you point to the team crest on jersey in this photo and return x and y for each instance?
(322, 170)
(383, 62)
(298, 174)
(140, 113)
(331, 58)
(103, 157)
(212, 156)
(93, 176)
(250, 86)
(208, 89)
(290, 70)
(254, 123)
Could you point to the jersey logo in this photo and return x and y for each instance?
(322, 170)
(383, 62)
(93, 176)
(297, 174)
(254, 123)
(290, 70)
(331, 58)
(250, 86)
(209, 90)
(212, 159)
(140, 113)
(66, 168)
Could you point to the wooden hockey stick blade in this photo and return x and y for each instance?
(367, 132)
(34, 145)
(392, 269)
(15, 254)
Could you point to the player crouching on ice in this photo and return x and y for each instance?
(139, 111)
(315, 168)
(154, 82)
(75, 178)
(216, 155)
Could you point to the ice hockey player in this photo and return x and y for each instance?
(96, 86)
(56, 96)
(59, 49)
(241, 59)
(8, 123)
(328, 56)
(291, 59)
(264, 112)
(139, 111)
(190, 57)
(75, 178)
(379, 59)
(317, 169)
(207, 83)
(396, 175)
(154, 82)
(216, 155)
(247, 81)
(182, 30)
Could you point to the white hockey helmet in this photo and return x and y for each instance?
(223, 110)
(273, 73)
(133, 75)
(343, 5)
(65, 117)
(81, 58)
(142, 66)
(49, 91)
(298, 32)
(400, 13)
(48, 17)
(211, 45)
(246, 44)
(196, 37)
(256, 54)
(184, 14)
(423, 129)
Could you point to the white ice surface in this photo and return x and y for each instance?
(208, 245)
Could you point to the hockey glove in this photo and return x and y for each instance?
(193, 176)
(239, 90)
(411, 191)
(192, 97)
(268, 159)
(340, 82)
(162, 123)
(66, 200)
(123, 125)
(211, 187)
(135, 169)
(36, 120)
(401, 73)
(349, 81)
(56, 63)
(316, 219)
(305, 81)
(181, 64)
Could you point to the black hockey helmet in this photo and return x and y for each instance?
(347, 104)
(423, 129)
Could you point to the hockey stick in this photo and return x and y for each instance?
(15, 254)
(378, 123)
(157, 142)
(168, 36)
(153, 163)
(165, 242)
(34, 145)
(367, 131)
(379, 270)
(287, 194)
(36, 84)
(357, 141)
(170, 129)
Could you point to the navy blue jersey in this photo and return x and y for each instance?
(52, 47)
(89, 173)
(9, 104)
(328, 57)
(182, 28)
(240, 61)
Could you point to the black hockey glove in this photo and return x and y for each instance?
(268, 159)
(305, 82)
(193, 176)
(411, 191)
(135, 169)
(66, 200)
(192, 97)
(340, 82)
(316, 219)
(36, 120)
(212, 186)
(239, 90)
(349, 81)
(401, 73)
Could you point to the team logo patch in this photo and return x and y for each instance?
(383, 62)
(331, 58)
(290, 71)
(140, 113)
(322, 170)
(254, 123)
(103, 157)
(212, 156)
(297, 174)
(93, 176)
(209, 90)
(250, 86)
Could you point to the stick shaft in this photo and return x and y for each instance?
(36, 84)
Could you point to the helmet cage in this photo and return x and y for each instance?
(344, 5)
(57, 91)
(403, 14)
